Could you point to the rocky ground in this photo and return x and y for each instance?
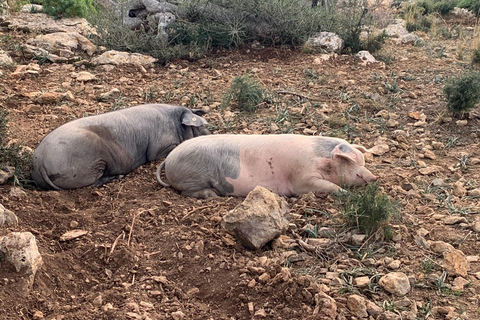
(148, 253)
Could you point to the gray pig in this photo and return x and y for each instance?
(288, 164)
(95, 150)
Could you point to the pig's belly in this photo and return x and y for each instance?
(246, 182)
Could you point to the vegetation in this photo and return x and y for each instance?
(462, 93)
(366, 208)
(12, 154)
(68, 8)
(246, 92)
(443, 7)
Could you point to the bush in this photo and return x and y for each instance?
(12, 154)
(366, 208)
(472, 5)
(68, 8)
(462, 93)
(246, 91)
(444, 7)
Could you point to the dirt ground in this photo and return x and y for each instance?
(150, 253)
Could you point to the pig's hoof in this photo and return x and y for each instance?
(202, 194)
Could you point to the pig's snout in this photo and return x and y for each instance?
(368, 178)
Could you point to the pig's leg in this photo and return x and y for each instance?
(318, 185)
(106, 179)
(202, 194)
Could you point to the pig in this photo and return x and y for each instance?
(287, 164)
(94, 150)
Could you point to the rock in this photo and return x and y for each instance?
(396, 283)
(117, 57)
(259, 219)
(379, 149)
(50, 98)
(260, 313)
(325, 306)
(20, 250)
(325, 42)
(476, 225)
(450, 220)
(461, 123)
(361, 281)
(24, 70)
(458, 189)
(84, 76)
(358, 238)
(463, 13)
(429, 154)
(475, 193)
(59, 46)
(7, 218)
(107, 95)
(455, 262)
(32, 8)
(430, 170)
(37, 315)
(5, 59)
(394, 265)
(17, 192)
(440, 246)
(397, 28)
(356, 304)
(98, 301)
(72, 234)
(42, 23)
(178, 315)
(388, 315)
(373, 310)
(459, 283)
(6, 173)
(365, 57)
(409, 39)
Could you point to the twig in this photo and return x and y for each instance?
(153, 253)
(195, 210)
(115, 244)
(131, 226)
(295, 94)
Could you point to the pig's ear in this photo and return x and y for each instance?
(199, 112)
(360, 148)
(349, 154)
(193, 120)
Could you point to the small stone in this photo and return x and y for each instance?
(356, 304)
(379, 149)
(107, 307)
(192, 292)
(394, 265)
(147, 305)
(361, 281)
(373, 310)
(98, 301)
(461, 123)
(7, 218)
(72, 234)
(264, 278)
(178, 315)
(476, 225)
(429, 154)
(6, 173)
(251, 309)
(358, 238)
(260, 313)
(450, 220)
(459, 283)
(456, 262)
(396, 283)
(458, 189)
(37, 315)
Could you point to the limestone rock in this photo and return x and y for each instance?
(463, 13)
(20, 250)
(409, 39)
(24, 70)
(6, 173)
(7, 217)
(458, 189)
(325, 306)
(325, 42)
(32, 8)
(83, 76)
(459, 283)
(365, 57)
(118, 57)
(379, 149)
(361, 281)
(450, 220)
(259, 219)
(396, 283)
(397, 28)
(373, 310)
(5, 59)
(455, 262)
(356, 304)
(59, 46)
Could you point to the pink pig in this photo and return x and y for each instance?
(287, 164)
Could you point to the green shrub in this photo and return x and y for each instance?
(444, 7)
(12, 154)
(427, 5)
(476, 56)
(247, 93)
(366, 208)
(472, 5)
(68, 8)
(462, 93)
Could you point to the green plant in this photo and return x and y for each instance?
(472, 5)
(12, 154)
(462, 93)
(366, 208)
(247, 93)
(68, 8)
(444, 7)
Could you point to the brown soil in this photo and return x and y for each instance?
(150, 252)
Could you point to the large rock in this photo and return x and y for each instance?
(257, 220)
(397, 28)
(7, 217)
(113, 57)
(19, 249)
(396, 283)
(43, 23)
(60, 46)
(454, 261)
(325, 307)
(325, 42)
(356, 304)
